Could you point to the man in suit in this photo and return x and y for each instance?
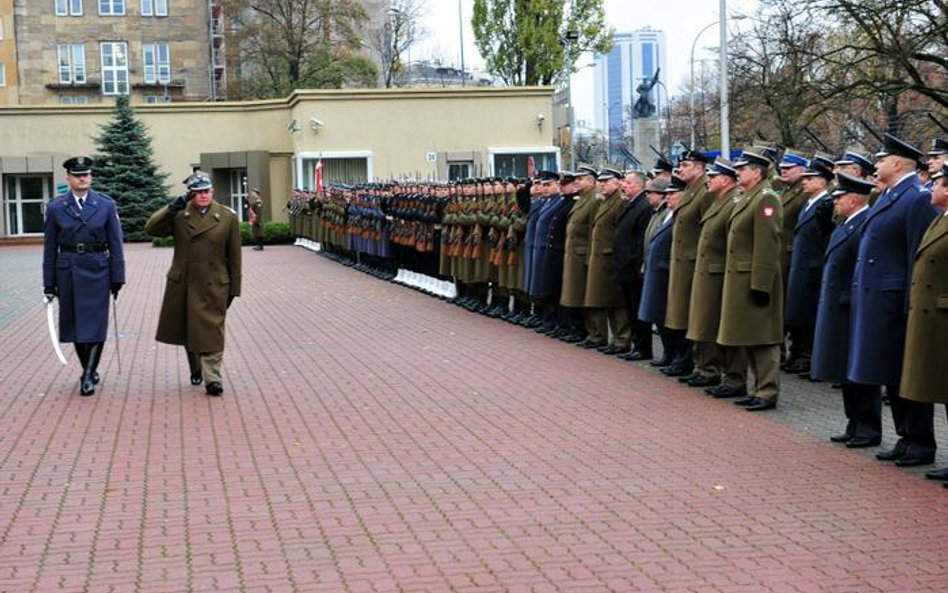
(196, 299)
(752, 304)
(704, 318)
(628, 249)
(703, 358)
(83, 261)
(576, 254)
(890, 236)
(810, 235)
(653, 304)
(862, 403)
(926, 339)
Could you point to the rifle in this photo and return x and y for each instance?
(937, 123)
(872, 131)
(816, 139)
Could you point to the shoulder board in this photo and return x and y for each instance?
(769, 192)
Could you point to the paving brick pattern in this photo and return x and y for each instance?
(375, 439)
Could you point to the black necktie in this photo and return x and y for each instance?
(82, 202)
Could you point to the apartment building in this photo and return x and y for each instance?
(87, 51)
(8, 78)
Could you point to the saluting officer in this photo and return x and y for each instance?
(752, 307)
(83, 261)
(204, 278)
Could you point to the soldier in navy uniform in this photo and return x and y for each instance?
(936, 158)
(83, 262)
(891, 234)
(862, 403)
(810, 234)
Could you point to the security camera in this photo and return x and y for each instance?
(540, 117)
(315, 124)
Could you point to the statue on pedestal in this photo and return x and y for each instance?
(643, 106)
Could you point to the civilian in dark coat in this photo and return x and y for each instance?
(654, 302)
(628, 251)
(890, 237)
(862, 403)
(810, 235)
(83, 261)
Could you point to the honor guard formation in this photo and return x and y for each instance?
(830, 268)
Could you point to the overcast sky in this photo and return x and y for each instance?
(681, 20)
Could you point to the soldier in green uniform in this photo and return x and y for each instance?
(695, 201)
(752, 304)
(576, 251)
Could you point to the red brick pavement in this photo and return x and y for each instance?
(374, 439)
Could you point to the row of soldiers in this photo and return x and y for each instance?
(726, 260)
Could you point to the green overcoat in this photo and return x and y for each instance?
(695, 201)
(576, 251)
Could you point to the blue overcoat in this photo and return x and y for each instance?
(551, 241)
(530, 242)
(810, 235)
(657, 266)
(831, 338)
(83, 279)
(891, 234)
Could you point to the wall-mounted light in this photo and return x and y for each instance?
(315, 124)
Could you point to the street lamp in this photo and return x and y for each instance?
(691, 111)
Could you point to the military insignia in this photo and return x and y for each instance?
(217, 216)
(769, 211)
(80, 160)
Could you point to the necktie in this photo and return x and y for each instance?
(82, 202)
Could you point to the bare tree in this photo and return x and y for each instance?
(400, 31)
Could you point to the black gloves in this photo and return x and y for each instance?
(116, 287)
(179, 203)
(230, 299)
(51, 291)
(760, 298)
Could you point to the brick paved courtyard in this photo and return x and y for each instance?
(375, 439)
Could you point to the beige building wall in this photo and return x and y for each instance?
(399, 132)
(39, 30)
(8, 76)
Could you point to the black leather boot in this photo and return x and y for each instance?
(87, 386)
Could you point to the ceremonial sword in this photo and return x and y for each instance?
(51, 326)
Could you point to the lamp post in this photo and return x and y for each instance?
(723, 50)
(461, 39)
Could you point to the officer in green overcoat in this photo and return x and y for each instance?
(576, 250)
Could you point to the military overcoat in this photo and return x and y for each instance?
(83, 279)
(704, 316)
(576, 254)
(753, 263)
(810, 236)
(831, 337)
(601, 288)
(924, 376)
(881, 280)
(695, 201)
(792, 200)
(652, 306)
(551, 241)
(205, 272)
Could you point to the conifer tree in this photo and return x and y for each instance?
(124, 170)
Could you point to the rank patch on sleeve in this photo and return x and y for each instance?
(769, 211)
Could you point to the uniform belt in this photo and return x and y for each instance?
(84, 248)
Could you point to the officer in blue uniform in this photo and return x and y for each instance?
(862, 403)
(891, 234)
(82, 262)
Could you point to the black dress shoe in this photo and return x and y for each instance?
(589, 345)
(938, 474)
(677, 370)
(724, 392)
(702, 381)
(610, 350)
(571, 339)
(95, 378)
(659, 362)
(894, 453)
(632, 356)
(841, 438)
(915, 460)
(687, 378)
(744, 400)
(863, 442)
(760, 405)
(214, 388)
(86, 386)
(196, 378)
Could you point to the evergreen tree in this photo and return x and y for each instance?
(124, 170)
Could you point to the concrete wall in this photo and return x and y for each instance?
(397, 128)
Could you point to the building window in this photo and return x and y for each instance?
(72, 63)
(114, 68)
(68, 7)
(156, 59)
(112, 7)
(154, 7)
(65, 100)
(3, 75)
